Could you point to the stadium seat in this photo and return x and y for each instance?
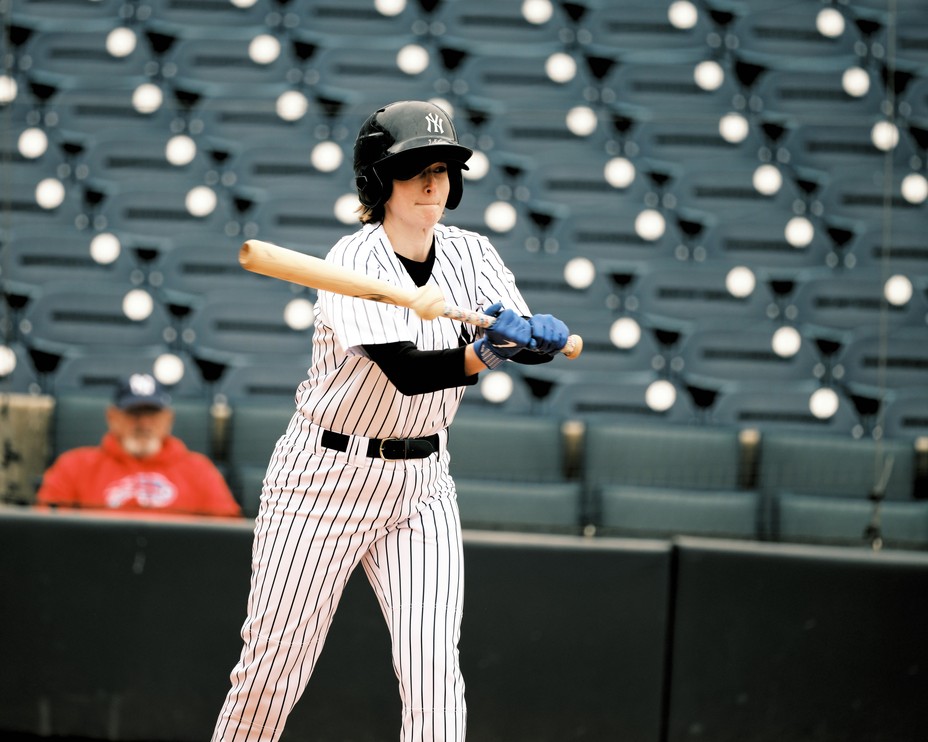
(679, 296)
(269, 381)
(666, 480)
(788, 31)
(836, 306)
(900, 250)
(230, 328)
(619, 398)
(897, 360)
(905, 415)
(516, 79)
(84, 113)
(609, 234)
(304, 223)
(779, 406)
(848, 522)
(282, 167)
(834, 466)
(716, 355)
(223, 65)
(37, 255)
(349, 22)
(198, 265)
(57, 15)
(75, 59)
(521, 486)
(487, 26)
(253, 432)
(79, 419)
(101, 373)
(639, 26)
(69, 319)
(161, 212)
(203, 18)
(124, 161)
(662, 85)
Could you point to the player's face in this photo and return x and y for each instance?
(421, 199)
(140, 431)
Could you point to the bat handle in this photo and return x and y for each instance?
(572, 348)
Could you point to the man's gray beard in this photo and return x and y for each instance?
(141, 447)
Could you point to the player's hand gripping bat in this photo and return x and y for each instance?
(427, 302)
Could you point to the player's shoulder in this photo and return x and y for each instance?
(356, 250)
(451, 232)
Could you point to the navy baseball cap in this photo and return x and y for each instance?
(141, 390)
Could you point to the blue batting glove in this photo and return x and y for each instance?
(508, 335)
(549, 334)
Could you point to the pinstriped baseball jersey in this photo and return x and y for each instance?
(348, 393)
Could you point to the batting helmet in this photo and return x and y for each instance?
(400, 140)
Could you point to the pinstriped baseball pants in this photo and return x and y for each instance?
(322, 513)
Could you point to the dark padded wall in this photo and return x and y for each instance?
(793, 643)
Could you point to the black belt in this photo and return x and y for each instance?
(386, 448)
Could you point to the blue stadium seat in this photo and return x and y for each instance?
(516, 79)
(682, 140)
(779, 406)
(834, 466)
(230, 328)
(253, 431)
(304, 223)
(84, 114)
(639, 26)
(619, 398)
(199, 265)
(836, 306)
(525, 490)
(79, 59)
(901, 249)
(70, 319)
(897, 360)
(680, 296)
(156, 211)
(788, 31)
(282, 167)
(269, 381)
(609, 234)
(715, 355)
(374, 77)
(349, 22)
(667, 480)
(846, 521)
(36, 255)
(203, 18)
(101, 372)
(126, 160)
(487, 26)
(222, 65)
(80, 420)
(58, 15)
(905, 415)
(663, 86)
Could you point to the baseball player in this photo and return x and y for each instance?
(360, 477)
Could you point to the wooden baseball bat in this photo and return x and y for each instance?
(428, 302)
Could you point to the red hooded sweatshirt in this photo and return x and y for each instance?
(174, 480)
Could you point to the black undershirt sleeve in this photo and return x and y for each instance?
(415, 371)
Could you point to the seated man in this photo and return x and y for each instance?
(139, 465)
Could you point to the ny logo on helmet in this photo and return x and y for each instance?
(434, 123)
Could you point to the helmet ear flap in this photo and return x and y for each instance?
(371, 189)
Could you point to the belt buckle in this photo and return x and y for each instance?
(380, 451)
